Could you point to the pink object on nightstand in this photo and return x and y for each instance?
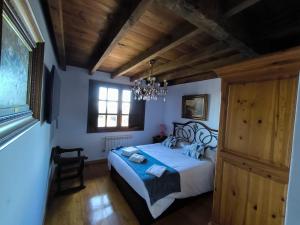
(162, 130)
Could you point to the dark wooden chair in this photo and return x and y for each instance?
(68, 168)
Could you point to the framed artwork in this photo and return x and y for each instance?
(21, 71)
(195, 107)
(14, 70)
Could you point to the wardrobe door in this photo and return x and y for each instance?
(259, 120)
(255, 148)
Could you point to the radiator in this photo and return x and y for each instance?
(116, 141)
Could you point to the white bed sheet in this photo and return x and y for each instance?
(196, 176)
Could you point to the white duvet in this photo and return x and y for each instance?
(196, 176)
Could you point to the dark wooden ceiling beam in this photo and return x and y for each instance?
(198, 77)
(117, 31)
(240, 7)
(185, 60)
(208, 23)
(201, 68)
(56, 14)
(180, 35)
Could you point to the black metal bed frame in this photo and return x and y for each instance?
(192, 131)
(195, 131)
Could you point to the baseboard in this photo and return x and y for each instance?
(98, 161)
(50, 179)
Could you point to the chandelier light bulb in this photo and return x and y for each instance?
(149, 89)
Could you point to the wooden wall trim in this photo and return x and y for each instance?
(283, 63)
(269, 171)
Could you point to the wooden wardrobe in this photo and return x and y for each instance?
(255, 139)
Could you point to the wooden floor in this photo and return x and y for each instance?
(101, 203)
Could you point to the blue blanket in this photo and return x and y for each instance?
(158, 187)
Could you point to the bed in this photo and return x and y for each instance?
(196, 176)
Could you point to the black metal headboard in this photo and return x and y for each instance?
(196, 132)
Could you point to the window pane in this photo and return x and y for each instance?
(112, 107)
(125, 108)
(102, 107)
(111, 120)
(102, 93)
(124, 121)
(101, 121)
(126, 96)
(113, 94)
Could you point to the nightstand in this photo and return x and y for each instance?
(158, 139)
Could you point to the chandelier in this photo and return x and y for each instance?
(149, 89)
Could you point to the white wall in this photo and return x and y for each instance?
(24, 164)
(293, 202)
(174, 99)
(72, 122)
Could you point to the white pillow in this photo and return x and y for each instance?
(194, 150)
(182, 144)
(211, 154)
(170, 142)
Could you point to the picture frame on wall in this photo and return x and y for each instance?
(21, 70)
(195, 107)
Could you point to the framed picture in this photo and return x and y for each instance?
(195, 107)
(21, 72)
(14, 68)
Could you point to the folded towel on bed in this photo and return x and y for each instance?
(156, 170)
(137, 158)
(128, 151)
(170, 178)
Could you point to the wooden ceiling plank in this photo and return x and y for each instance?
(198, 77)
(240, 7)
(188, 59)
(117, 34)
(56, 14)
(202, 68)
(177, 37)
(194, 15)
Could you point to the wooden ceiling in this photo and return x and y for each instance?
(189, 39)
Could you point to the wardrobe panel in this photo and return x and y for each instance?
(258, 115)
(265, 201)
(234, 195)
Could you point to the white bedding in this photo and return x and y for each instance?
(196, 177)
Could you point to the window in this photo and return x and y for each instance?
(108, 107)
(111, 108)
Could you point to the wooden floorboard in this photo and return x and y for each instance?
(101, 203)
